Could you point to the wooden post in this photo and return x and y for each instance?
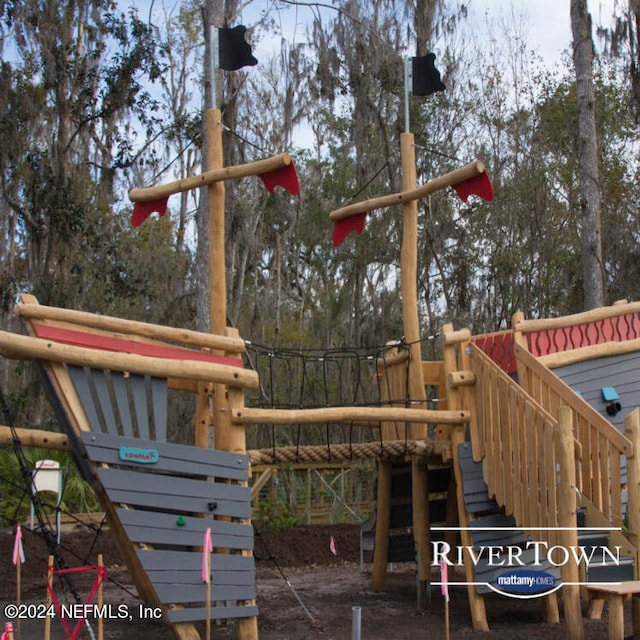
(519, 339)
(450, 365)
(383, 523)
(476, 602)
(632, 431)
(409, 271)
(567, 504)
(420, 500)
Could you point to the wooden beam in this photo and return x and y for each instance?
(447, 180)
(26, 348)
(529, 326)
(604, 350)
(212, 176)
(347, 414)
(462, 378)
(36, 438)
(35, 311)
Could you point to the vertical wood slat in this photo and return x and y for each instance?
(503, 420)
(159, 402)
(122, 403)
(100, 380)
(81, 381)
(141, 407)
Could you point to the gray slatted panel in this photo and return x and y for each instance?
(122, 401)
(159, 400)
(181, 594)
(173, 457)
(188, 565)
(80, 379)
(139, 394)
(172, 493)
(177, 578)
(621, 372)
(101, 385)
(162, 528)
(217, 613)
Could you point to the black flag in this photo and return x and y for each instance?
(234, 52)
(426, 78)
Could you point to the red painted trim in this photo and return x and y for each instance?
(499, 346)
(122, 345)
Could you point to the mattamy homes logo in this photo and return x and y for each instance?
(524, 570)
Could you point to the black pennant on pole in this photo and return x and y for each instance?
(234, 52)
(426, 78)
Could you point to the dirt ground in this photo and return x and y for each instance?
(304, 592)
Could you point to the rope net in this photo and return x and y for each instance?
(312, 379)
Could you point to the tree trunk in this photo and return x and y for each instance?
(590, 203)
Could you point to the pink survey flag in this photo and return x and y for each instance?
(18, 550)
(332, 546)
(207, 548)
(444, 574)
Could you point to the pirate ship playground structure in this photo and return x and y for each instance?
(527, 441)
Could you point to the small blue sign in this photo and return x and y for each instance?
(525, 582)
(139, 456)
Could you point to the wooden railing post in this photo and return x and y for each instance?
(567, 505)
(454, 401)
(519, 339)
(632, 431)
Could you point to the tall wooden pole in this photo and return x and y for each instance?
(411, 320)
(409, 270)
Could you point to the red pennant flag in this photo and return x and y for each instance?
(142, 210)
(342, 228)
(479, 185)
(285, 177)
(444, 573)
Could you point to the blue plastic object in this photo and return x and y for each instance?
(609, 394)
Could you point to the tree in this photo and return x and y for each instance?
(590, 188)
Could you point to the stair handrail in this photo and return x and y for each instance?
(600, 479)
(516, 439)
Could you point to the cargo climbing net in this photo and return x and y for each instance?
(324, 378)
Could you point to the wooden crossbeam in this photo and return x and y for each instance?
(27, 348)
(450, 179)
(148, 194)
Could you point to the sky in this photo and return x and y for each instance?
(546, 26)
(549, 21)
